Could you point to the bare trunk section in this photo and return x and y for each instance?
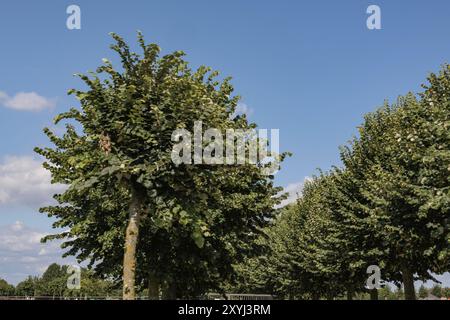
(373, 294)
(315, 296)
(170, 291)
(131, 239)
(153, 287)
(408, 284)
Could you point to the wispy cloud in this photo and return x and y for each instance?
(26, 101)
(294, 191)
(22, 253)
(18, 238)
(242, 108)
(24, 181)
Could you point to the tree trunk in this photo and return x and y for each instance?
(153, 287)
(373, 294)
(408, 284)
(350, 293)
(131, 239)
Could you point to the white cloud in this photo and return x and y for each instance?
(17, 226)
(22, 253)
(24, 181)
(294, 191)
(26, 101)
(242, 108)
(17, 238)
(28, 259)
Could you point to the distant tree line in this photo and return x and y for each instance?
(53, 285)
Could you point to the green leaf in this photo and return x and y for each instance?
(198, 239)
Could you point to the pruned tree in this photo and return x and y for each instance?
(125, 191)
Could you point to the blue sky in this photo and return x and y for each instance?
(309, 68)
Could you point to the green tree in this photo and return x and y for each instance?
(388, 205)
(423, 292)
(54, 271)
(399, 293)
(6, 289)
(306, 256)
(27, 287)
(317, 243)
(446, 292)
(385, 293)
(53, 281)
(121, 176)
(403, 153)
(92, 287)
(436, 291)
(352, 245)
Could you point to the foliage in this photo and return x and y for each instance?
(436, 291)
(387, 206)
(5, 288)
(183, 224)
(423, 292)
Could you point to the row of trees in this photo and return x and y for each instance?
(388, 205)
(130, 211)
(436, 290)
(6, 289)
(53, 284)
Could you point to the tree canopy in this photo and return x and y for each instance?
(387, 205)
(179, 225)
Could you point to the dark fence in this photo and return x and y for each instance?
(209, 296)
(237, 296)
